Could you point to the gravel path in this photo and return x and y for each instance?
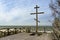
(25, 36)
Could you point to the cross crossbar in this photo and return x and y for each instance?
(37, 13)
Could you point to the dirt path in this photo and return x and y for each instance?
(45, 37)
(25, 36)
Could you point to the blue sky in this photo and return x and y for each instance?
(17, 12)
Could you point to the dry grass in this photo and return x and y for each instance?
(26, 36)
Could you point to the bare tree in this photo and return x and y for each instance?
(55, 8)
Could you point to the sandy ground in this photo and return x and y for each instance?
(26, 36)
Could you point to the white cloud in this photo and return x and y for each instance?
(19, 14)
(22, 13)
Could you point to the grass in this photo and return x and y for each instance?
(40, 28)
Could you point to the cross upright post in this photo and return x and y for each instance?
(37, 17)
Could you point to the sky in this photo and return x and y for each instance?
(17, 12)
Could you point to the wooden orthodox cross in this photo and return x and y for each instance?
(37, 17)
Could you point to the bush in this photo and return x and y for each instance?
(0, 34)
(28, 30)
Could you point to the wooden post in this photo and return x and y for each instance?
(37, 17)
